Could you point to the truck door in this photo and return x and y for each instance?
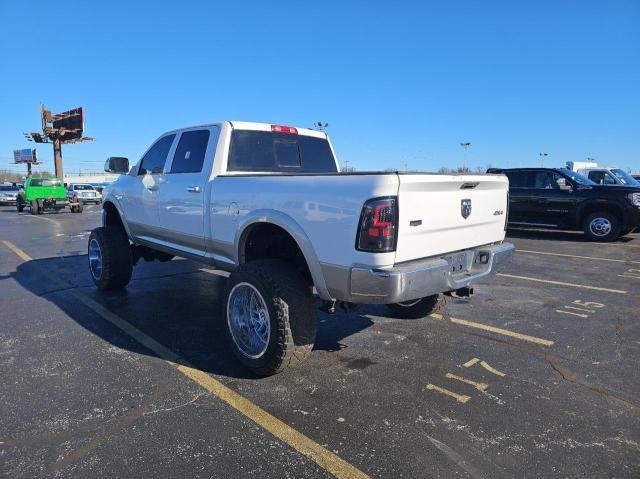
(183, 190)
(555, 199)
(141, 199)
(522, 199)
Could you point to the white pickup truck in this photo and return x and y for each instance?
(268, 203)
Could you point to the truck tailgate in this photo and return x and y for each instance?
(431, 220)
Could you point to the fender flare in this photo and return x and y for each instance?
(297, 233)
(606, 205)
(111, 199)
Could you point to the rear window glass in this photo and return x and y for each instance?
(269, 151)
(45, 182)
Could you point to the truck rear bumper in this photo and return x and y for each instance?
(416, 279)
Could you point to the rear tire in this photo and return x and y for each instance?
(419, 308)
(275, 328)
(110, 261)
(34, 207)
(602, 226)
(77, 207)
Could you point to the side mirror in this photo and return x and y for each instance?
(117, 164)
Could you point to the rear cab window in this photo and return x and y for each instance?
(189, 155)
(265, 151)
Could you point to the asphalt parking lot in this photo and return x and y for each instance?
(535, 376)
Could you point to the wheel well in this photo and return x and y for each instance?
(111, 215)
(592, 208)
(269, 241)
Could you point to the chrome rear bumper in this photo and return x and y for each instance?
(417, 279)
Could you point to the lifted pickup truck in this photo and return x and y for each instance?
(268, 203)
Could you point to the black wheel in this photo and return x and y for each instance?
(79, 206)
(110, 262)
(418, 308)
(34, 207)
(20, 207)
(602, 226)
(40, 206)
(270, 318)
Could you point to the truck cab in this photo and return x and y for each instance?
(610, 176)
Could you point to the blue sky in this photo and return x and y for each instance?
(398, 82)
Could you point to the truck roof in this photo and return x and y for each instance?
(255, 126)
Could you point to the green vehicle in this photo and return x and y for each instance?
(45, 193)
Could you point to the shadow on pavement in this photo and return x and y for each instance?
(175, 303)
(557, 235)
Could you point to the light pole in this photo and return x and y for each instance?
(542, 157)
(465, 146)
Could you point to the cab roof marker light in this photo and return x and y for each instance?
(284, 129)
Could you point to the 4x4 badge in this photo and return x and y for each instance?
(465, 208)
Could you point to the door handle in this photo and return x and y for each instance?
(152, 187)
(193, 189)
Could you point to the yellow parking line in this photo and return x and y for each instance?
(477, 385)
(24, 256)
(463, 398)
(562, 283)
(577, 256)
(295, 439)
(493, 329)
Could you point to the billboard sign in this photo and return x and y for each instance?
(24, 156)
(72, 122)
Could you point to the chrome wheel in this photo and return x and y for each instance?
(600, 226)
(248, 320)
(95, 259)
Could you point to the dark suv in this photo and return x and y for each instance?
(560, 198)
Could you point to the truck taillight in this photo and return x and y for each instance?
(377, 230)
(284, 129)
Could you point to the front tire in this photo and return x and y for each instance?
(418, 308)
(110, 261)
(602, 226)
(269, 314)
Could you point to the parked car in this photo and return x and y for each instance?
(45, 193)
(83, 191)
(8, 194)
(561, 198)
(268, 203)
(603, 176)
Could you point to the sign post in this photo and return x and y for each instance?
(59, 129)
(25, 156)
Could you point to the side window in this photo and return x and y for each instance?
(517, 179)
(287, 153)
(609, 180)
(544, 180)
(189, 155)
(153, 161)
(597, 177)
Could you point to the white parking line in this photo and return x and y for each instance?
(562, 283)
(576, 256)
